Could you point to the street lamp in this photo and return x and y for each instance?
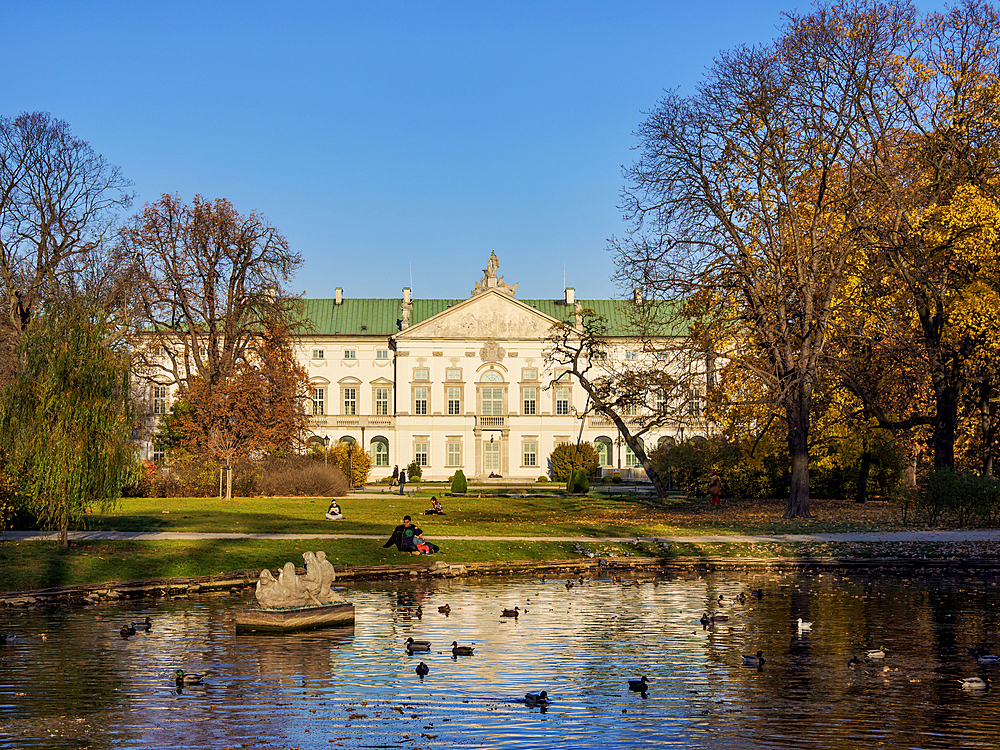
(326, 450)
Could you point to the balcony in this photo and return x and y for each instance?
(385, 422)
(491, 422)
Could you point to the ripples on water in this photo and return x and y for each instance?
(69, 681)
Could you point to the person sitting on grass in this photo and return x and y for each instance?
(436, 508)
(405, 536)
(334, 512)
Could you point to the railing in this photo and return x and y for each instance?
(351, 422)
(491, 423)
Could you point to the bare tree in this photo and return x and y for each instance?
(638, 395)
(749, 198)
(58, 202)
(210, 281)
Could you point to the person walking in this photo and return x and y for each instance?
(715, 489)
(395, 476)
(402, 480)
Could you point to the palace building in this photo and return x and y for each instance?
(459, 383)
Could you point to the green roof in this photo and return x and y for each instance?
(380, 317)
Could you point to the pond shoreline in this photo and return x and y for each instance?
(239, 582)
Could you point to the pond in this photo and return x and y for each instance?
(68, 680)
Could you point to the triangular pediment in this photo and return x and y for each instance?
(488, 315)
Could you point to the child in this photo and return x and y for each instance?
(423, 547)
(334, 512)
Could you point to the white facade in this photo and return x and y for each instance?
(466, 388)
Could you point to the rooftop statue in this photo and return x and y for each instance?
(490, 279)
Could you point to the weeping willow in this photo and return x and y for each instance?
(67, 418)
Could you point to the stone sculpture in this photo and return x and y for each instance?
(292, 590)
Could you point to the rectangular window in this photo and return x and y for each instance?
(454, 400)
(350, 353)
(454, 374)
(694, 402)
(158, 454)
(319, 354)
(420, 454)
(531, 454)
(529, 373)
(629, 410)
(350, 401)
(492, 402)
(562, 399)
(318, 397)
(530, 398)
(421, 374)
(661, 401)
(420, 400)
(381, 401)
(381, 354)
(631, 354)
(454, 454)
(159, 399)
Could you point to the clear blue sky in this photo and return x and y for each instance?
(377, 136)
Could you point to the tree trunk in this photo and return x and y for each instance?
(945, 426)
(862, 490)
(798, 452)
(987, 415)
(229, 482)
(64, 526)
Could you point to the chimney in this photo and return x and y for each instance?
(570, 295)
(637, 295)
(406, 295)
(338, 296)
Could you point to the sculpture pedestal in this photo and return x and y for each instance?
(292, 619)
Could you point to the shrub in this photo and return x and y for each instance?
(297, 476)
(459, 485)
(566, 458)
(350, 459)
(579, 483)
(542, 479)
(385, 480)
(616, 479)
(190, 476)
(606, 479)
(413, 471)
(960, 495)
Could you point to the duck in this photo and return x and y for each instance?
(988, 660)
(126, 632)
(804, 625)
(974, 683)
(422, 670)
(705, 620)
(420, 613)
(569, 585)
(7, 638)
(753, 660)
(412, 645)
(188, 679)
(638, 686)
(757, 593)
(875, 653)
(537, 699)
(510, 612)
(741, 598)
(457, 650)
(854, 661)
(145, 626)
(130, 627)
(444, 609)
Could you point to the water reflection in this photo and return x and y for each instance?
(69, 680)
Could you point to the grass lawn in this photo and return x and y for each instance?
(28, 565)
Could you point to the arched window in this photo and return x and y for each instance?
(347, 439)
(605, 453)
(380, 451)
(666, 441)
(630, 458)
(492, 376)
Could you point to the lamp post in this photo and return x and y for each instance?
(326, 450)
